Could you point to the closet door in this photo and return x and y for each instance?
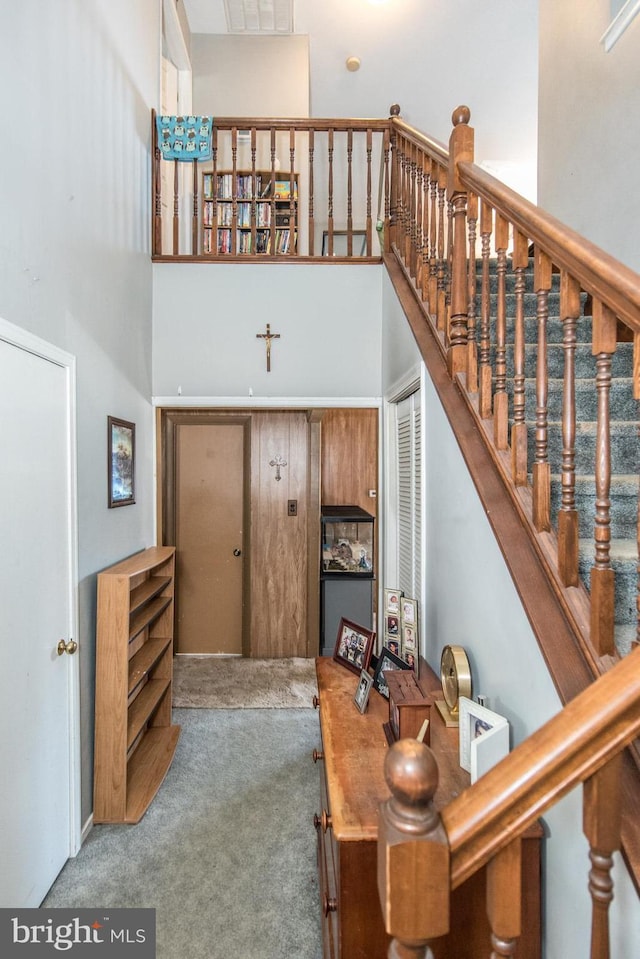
(409, 487)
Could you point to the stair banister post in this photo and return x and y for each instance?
(601, 826)
(460, 151)
(394, 111)
(413, 853)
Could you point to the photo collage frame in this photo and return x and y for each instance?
(401, 627)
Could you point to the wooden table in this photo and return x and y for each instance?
(352, 786)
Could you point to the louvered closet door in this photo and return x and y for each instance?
(409, 495)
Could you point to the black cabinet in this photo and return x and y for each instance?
(347, 571)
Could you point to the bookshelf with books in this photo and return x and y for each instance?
(249, 212)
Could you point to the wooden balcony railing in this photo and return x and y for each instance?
(484, 825)
(276, 190)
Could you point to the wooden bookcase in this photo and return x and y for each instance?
(249, 212)
(134, 738)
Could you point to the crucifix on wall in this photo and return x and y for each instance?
(267, 337)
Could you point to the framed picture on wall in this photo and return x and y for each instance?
(121, 462)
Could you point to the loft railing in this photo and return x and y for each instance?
(275, 189)
(423, 855)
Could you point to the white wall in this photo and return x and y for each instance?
(206, 317)
(247, 76)
(79, 78)
(429, 58)
(471, 601)
(589, 130)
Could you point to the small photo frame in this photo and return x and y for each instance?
(484, 738)
(392, 625)
(121, 462)
(387, 660)
(361, 697)
(409, 611)
(409, 639)
(392, 601)
(354, 645)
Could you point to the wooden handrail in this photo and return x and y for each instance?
(597, 272)
(566, 751)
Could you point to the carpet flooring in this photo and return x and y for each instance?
(233, 682)
(226, 853)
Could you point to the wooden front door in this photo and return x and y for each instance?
(209, 526)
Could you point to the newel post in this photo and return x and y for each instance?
(413, 853)
(460, 151)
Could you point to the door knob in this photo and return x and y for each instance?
(237, 552)
(69, 647)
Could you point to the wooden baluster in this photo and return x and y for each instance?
(520, 262)
(272, 192)
(541, 470)
(472, 343)
(413, 853)
(234, 190)
(293, 239)
(500, 400)
(195, 213)
(419, 240)
(393, 179)
(312, 246)
(369, 218)
(255, 193)
(387, 192)
(412, 225)
(441, 295)
(486, 228)
(349, 192)
(433, 243)
(214, 191)
(176, 210)
(401, 232)
(504, 899)
(568, 515)
(426, 221)
(156, 231)
(448, 271)
(460, 150)
(330, 195)
(601, 826)
(602, 575)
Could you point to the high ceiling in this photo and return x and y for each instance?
(240, 16)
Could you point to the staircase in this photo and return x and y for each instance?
(624, 439)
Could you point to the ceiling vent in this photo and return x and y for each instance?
(259, 16)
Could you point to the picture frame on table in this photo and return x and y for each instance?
(121, 462)
(484, 738)
(387, 661)
(354, 645)
(361, 698)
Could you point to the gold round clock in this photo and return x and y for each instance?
(455, 676)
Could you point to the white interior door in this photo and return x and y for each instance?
(39, 814)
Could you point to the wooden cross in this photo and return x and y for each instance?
(267, 337)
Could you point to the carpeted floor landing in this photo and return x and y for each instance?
(233, 682)
(226, 852)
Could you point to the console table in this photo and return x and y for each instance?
(352, 786)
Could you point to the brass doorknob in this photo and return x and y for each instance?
(69, 647)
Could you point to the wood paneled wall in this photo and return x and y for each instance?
(350, 458)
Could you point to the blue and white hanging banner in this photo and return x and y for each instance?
(184, 138)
